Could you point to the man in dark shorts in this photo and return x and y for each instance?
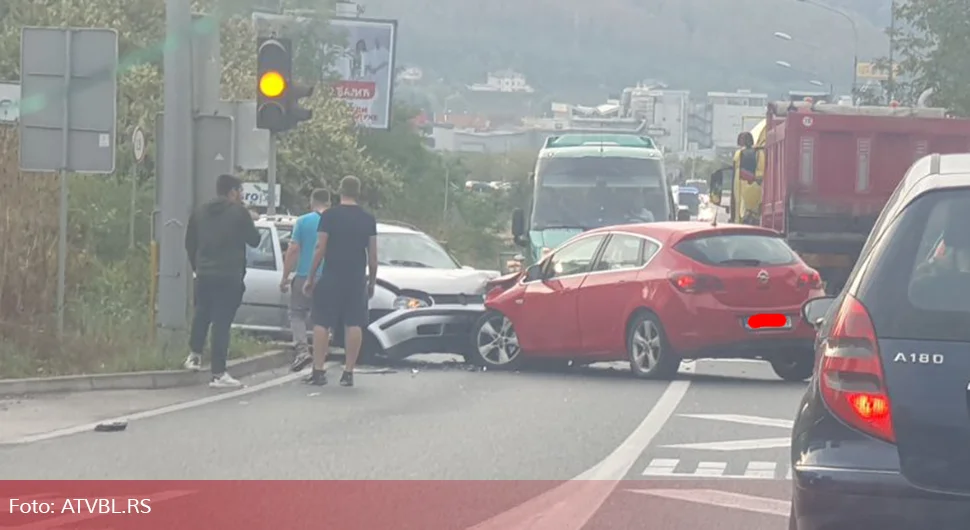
(347, 239)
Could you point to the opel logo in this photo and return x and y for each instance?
(763, 277)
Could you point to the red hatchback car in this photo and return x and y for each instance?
(655, 294)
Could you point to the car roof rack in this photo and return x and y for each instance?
(402, 224)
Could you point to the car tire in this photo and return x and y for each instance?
(648, 349)
(494, 343)
(794, 368)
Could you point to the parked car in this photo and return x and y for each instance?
(655, 294)
(882, 435)
(425, 301)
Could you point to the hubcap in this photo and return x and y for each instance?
(497, 342)
(646, 345)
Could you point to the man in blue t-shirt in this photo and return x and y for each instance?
(300, 253)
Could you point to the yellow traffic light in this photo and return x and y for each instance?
(272, 84)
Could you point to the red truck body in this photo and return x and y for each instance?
(830, 169)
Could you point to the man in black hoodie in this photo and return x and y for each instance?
(216, 240)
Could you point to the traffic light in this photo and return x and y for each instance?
(278, 102)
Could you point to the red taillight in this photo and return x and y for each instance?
(851, 376)
(810, 279)
(691, 283)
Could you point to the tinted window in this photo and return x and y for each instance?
(616, 171)
(574, 258)
(738, 250)
(621, 252)
(412, 250)
(263, 256)
(911, 292)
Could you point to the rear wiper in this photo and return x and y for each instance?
(741, 261)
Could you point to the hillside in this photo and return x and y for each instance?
(585, 49)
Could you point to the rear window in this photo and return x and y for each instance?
(918, 279)
(738, 250)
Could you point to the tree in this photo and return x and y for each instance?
(933, 42)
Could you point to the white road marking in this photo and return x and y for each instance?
(711, 469)
(571, 505)
(665, 468)
(736, 445)
(760, 470)
(743, 419)
(77, 429)
(661, 467)
(723, 499)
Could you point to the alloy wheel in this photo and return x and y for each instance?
(497, 342)
(646, 345)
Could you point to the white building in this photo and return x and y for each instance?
(503, 81)
(730, 113)
(410, 74)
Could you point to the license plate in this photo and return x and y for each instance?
(768, 322)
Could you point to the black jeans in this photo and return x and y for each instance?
(216, 301)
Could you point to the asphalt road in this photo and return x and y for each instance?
(708, 449)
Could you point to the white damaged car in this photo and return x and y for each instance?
(425, 301)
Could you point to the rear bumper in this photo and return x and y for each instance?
(837, 499)
(436, 329)
(721, 333)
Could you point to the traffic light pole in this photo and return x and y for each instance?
(271, 175)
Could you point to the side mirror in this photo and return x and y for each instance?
(518, 223)
(814, 310)
(683, 214)
(533, 273)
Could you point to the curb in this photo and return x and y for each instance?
(141, 380)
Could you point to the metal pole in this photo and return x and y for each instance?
(271, 175)
(890, 86)
(444, 214)
(62, 181)
(131, 211)
(177, 171)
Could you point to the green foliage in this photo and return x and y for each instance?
(933, 46)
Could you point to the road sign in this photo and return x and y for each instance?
(213, 154)
(68, 99)
(138, 144)
(9, 102)
(257, 194)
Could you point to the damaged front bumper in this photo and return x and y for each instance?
(437, 329)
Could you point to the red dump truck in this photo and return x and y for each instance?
(830, 169)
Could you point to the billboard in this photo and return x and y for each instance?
(365, 68)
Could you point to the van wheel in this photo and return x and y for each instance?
(794, 367)
(494, 343)
(650, 354)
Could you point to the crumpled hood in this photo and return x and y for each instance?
(436, 281)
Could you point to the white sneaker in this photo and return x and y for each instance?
(193, 362)
(224, 381)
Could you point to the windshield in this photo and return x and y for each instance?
(585, 171)
(690, 200)
(413, 250)
(593, 206)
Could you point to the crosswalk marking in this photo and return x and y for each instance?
(661, 466)
(760, 470)
(711, 469)
(677, 468)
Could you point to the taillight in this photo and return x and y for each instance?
(851, 377)
(810, 279)
(691, 283)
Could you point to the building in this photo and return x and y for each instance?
(665, 112)
(410, 74)
(503, 81)
(730, 113)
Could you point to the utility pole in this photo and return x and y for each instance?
(177, 193)
(890, 85)
(271, 175)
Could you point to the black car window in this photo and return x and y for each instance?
(738, 250)
(262, 257)
(910, 297)
(574, 258)
(622, 252)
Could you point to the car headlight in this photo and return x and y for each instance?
(409, 302)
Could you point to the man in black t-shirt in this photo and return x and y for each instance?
(347, 239)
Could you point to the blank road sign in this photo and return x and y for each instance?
(87, 107)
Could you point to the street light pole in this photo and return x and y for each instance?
(891, 85)
(855, 36)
